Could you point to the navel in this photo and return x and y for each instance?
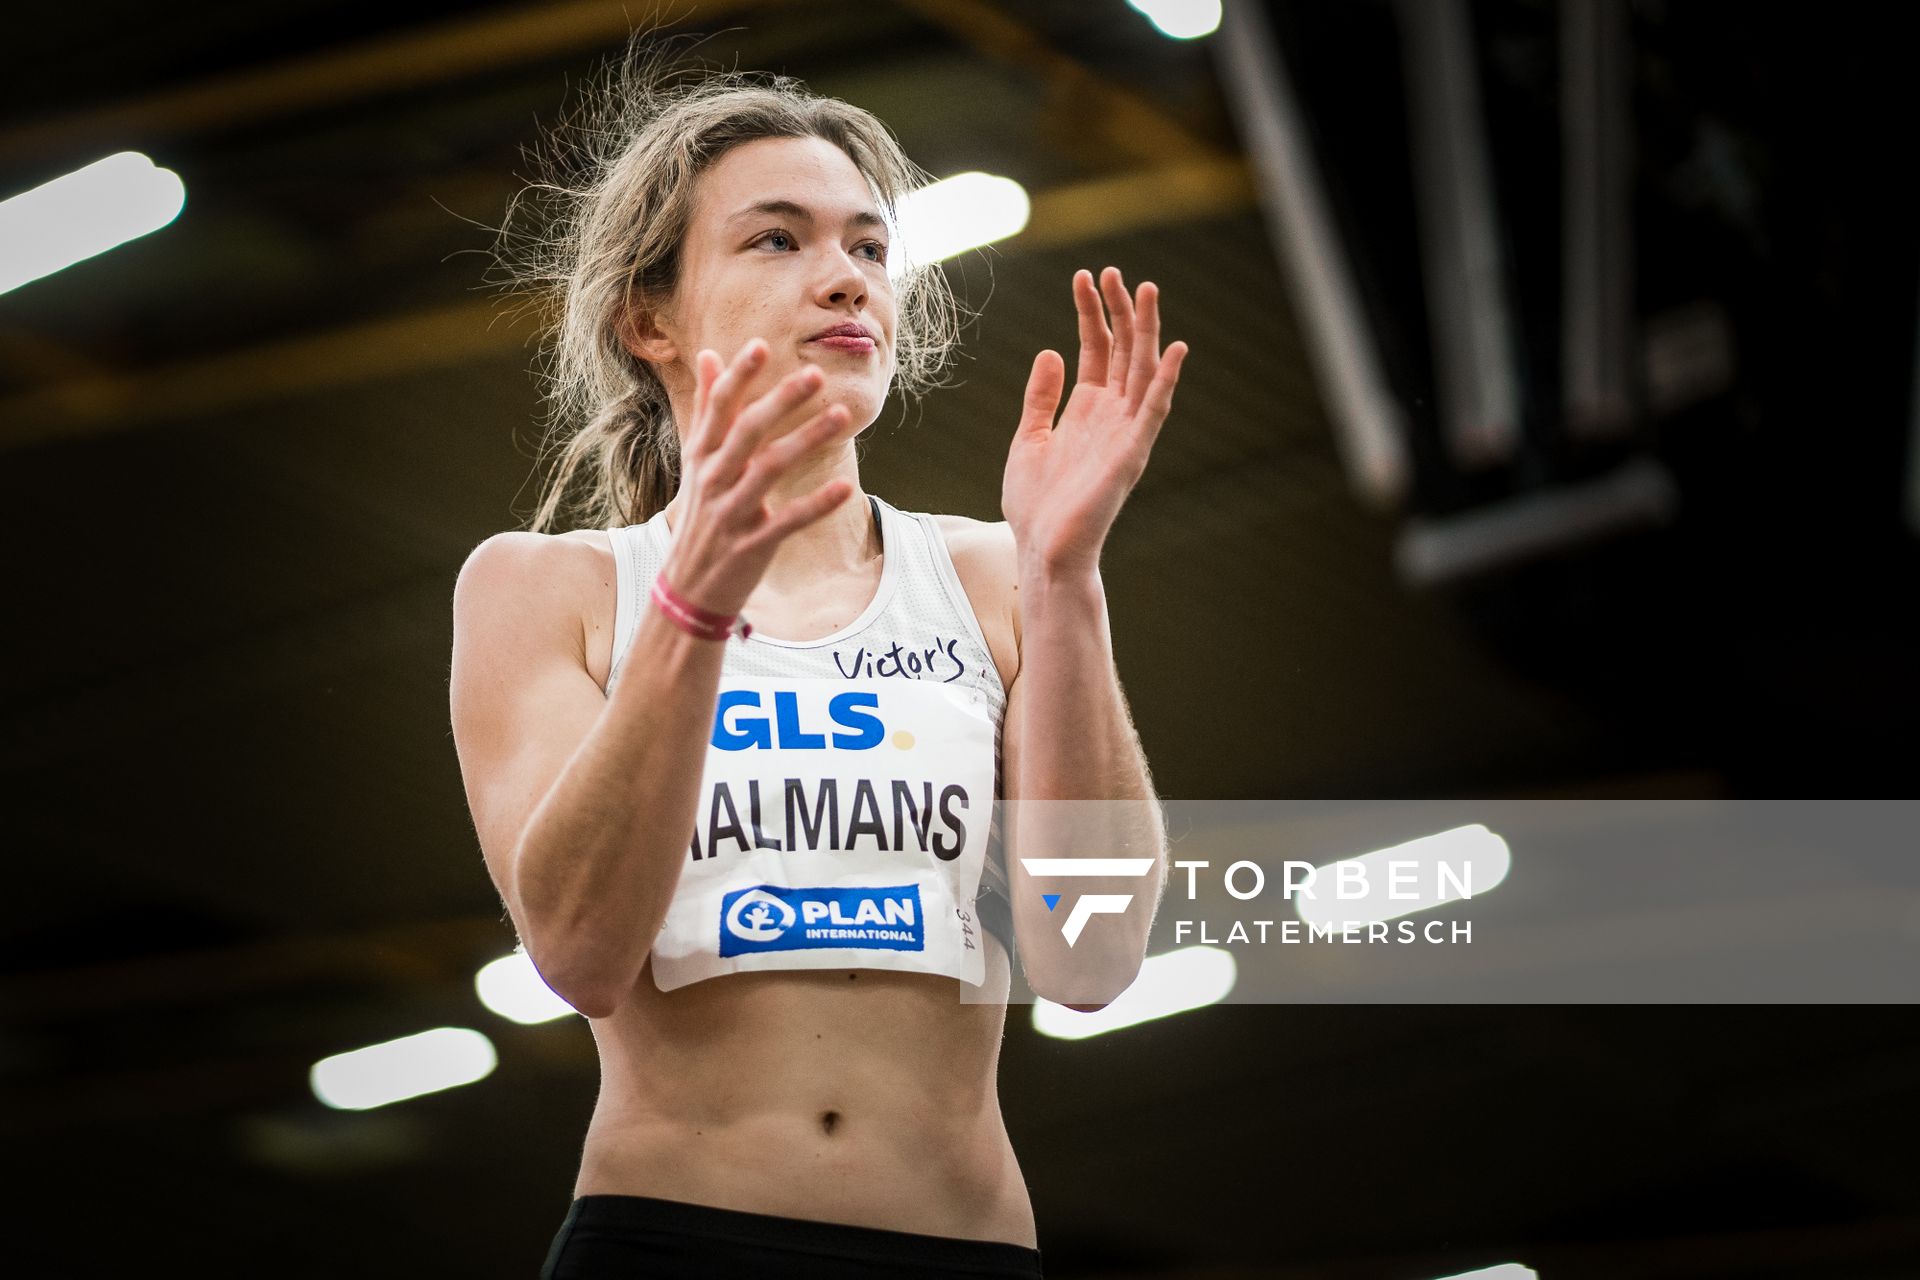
(829, 1120)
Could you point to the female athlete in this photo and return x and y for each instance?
(733, 753)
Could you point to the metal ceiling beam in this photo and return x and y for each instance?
(1082, 211)
(1596, 102)
(1370, 424)
(1470, 316)
(33, 357)
(407, 60)
(344, 356)
(1130, 123)
(1913, 443)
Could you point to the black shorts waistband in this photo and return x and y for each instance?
(906, 1248)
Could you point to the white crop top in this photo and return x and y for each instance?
(847, 816)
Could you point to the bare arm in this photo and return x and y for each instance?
(1077, 782)
(1078, 785)
(584, 803)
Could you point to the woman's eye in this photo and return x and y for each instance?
(782, 241)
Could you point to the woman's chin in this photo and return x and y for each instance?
(862, 401)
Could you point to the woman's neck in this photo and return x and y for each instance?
(845, 541)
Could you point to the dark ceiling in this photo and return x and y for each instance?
(242, 460)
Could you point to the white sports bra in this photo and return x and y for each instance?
(847, 815)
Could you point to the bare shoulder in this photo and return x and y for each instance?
(986, 547)
(597, 546)
(541, 557)
(560, 572)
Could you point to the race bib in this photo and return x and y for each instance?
(841, 824)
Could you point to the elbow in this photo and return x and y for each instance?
(1087, 978)
(591, 977)
(1085, 992)
(589, 993)
(593, 1006)
(594, 978)
(1081, 1000)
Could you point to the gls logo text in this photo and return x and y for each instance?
(1092, 904)
(743, 732)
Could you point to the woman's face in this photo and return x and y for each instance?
(786, 241)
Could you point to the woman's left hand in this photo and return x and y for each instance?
(1064, 484)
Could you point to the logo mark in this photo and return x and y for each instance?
(736, 728)
(759, 916)
(772, 917)
(1091, 904)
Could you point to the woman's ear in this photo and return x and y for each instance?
(641, 334)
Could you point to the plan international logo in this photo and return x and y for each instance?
(1090, 904)
(771, 917)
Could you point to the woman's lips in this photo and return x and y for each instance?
(841, 342)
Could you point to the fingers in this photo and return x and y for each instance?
(706, 367)
(769, 417)
(802, 512)
(1094, 341)
(1158, 400)
(824, 428)
(1121, 308)
(1044, 384)
(1146, 343)
(723, 400)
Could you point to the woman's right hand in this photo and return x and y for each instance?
(731, 456)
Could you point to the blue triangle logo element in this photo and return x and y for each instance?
(1052, 900)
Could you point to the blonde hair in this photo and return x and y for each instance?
(618, 188)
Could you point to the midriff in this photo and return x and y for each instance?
(864, 1096)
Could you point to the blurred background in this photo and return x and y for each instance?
(1548, 432)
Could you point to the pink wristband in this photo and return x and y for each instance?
(692, 619)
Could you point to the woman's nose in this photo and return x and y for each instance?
(844, 282)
